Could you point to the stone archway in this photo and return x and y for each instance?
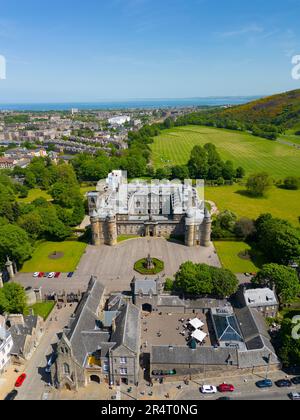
(95, 379)
(147, 308)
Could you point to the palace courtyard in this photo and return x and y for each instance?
(114, 265)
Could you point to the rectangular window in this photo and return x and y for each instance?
(123, 371)
(123, 360)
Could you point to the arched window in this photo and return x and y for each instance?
(66, 369)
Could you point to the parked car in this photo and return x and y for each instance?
(20, 380)
(11, 396)
(226, 388)
(284, 383)
(296, 380)
(294, 396)
(46, 275)
(41, 275)
(35, 275)
(51, 275)
(266, 383)
(247, 275)
(57, 275)
(70, 275)
(208, 389)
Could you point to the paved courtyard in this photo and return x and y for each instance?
(168, 330)
(114, 265)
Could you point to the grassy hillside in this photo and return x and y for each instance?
(173, 147)
(281, 110)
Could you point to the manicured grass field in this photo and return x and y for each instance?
(40, 261)
(228, 253)
(123, 238)
(34, 194)
(42, 309)
(280, 203)
(173, 147)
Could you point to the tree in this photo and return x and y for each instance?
(290, 348)
(258, 184)
(15, 244)
(180, 172)
(240, 172)
(244, 228)
(198, 163)
(32, 223)
(228, 171)
(225, 283)
(292, 183)
(201, 279)
(12, 298)
(284, 279)
(66, 195)
(278, 239)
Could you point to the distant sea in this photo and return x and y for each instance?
(131, 104)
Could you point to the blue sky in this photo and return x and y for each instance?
(120, 49)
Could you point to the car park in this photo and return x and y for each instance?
(20, 380)
(294, 396)
(11, 396)
(296, 380)
(283, 383)
(208, 389)
(266, 383)
(226, 388)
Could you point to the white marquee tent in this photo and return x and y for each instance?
(199, 335)
(196, 323)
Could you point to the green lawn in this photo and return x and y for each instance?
(40, 261)
(34, 194)
(173, 147)
(42, 309)
(228, 253)
(86, 189)
(123, 238)
(280, 203)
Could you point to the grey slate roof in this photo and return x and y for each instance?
(202, 303)
(20, 332)
(201, 356)
(260, 297)
(84, 335)
(127, 331)
(145, 286)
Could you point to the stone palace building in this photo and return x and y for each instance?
(159, 209)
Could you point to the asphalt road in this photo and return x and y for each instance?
(36, 382)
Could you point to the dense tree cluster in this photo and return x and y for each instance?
(227, 225)
(290, 347)
(21, 224)
(284, 279)
(12, 299)
(202, 279)
(277, 239)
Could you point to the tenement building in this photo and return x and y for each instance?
(159, 209)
